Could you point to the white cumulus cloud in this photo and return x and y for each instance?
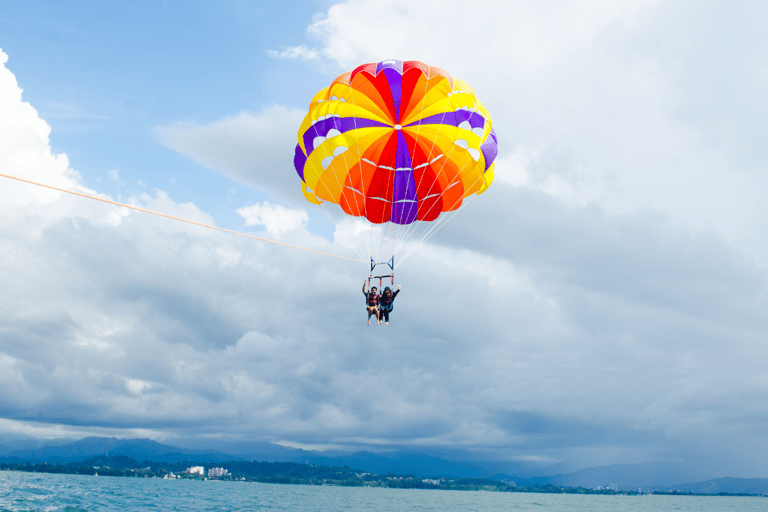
(275, 218)
(295, 52)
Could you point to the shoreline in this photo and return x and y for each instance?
(361, 479)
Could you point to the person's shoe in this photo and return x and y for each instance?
(369, 322)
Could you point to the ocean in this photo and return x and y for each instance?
(74, 493)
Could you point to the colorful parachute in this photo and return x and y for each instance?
(395, 142)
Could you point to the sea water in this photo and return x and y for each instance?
(74, 493)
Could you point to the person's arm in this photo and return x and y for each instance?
(364, 289)
(396, 292)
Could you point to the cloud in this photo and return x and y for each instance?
(275, 218)
(295, 52)
(114, 175)
(24, 149)
(248, 148)
(534, 35)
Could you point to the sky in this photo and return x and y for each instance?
(603, 302)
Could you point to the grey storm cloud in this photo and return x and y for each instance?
(640, 258)
(249, 148)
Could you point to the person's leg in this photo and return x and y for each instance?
(373, 310)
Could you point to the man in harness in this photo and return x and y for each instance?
(372, 303)
(386, 300)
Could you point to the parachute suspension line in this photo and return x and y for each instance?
(370, 251)
(394, 241)
(400, 237)
(439, 224)
(385, 231)
(433, 229)
(435, 226)
(382, 235)
(393, 231)
(87, 196)
(409, 229)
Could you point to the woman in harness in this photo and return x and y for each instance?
(372, 303)
(386, 300)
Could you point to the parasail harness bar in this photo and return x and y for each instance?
(390, 264)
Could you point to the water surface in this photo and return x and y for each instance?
(76, 493)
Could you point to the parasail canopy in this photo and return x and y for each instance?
(395, 142)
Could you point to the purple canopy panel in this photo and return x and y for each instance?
(397, 65)
(447, 118)
(490, 149)
(402, 156)
(475, 120)
(320, 129)
(342, 124)
(404, 206)
(395, 81)
(299, 159)
(453, 119)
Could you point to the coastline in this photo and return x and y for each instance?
(288, 473)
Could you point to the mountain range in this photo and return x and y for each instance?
(659, 476)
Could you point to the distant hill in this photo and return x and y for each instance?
(421, 465)
(139, 449)
(624, 476)
(729, 485)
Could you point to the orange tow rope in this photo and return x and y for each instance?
(175, 218)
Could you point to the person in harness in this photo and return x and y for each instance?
(372, 303)
(386, 303)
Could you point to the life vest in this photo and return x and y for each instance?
(373, 299)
